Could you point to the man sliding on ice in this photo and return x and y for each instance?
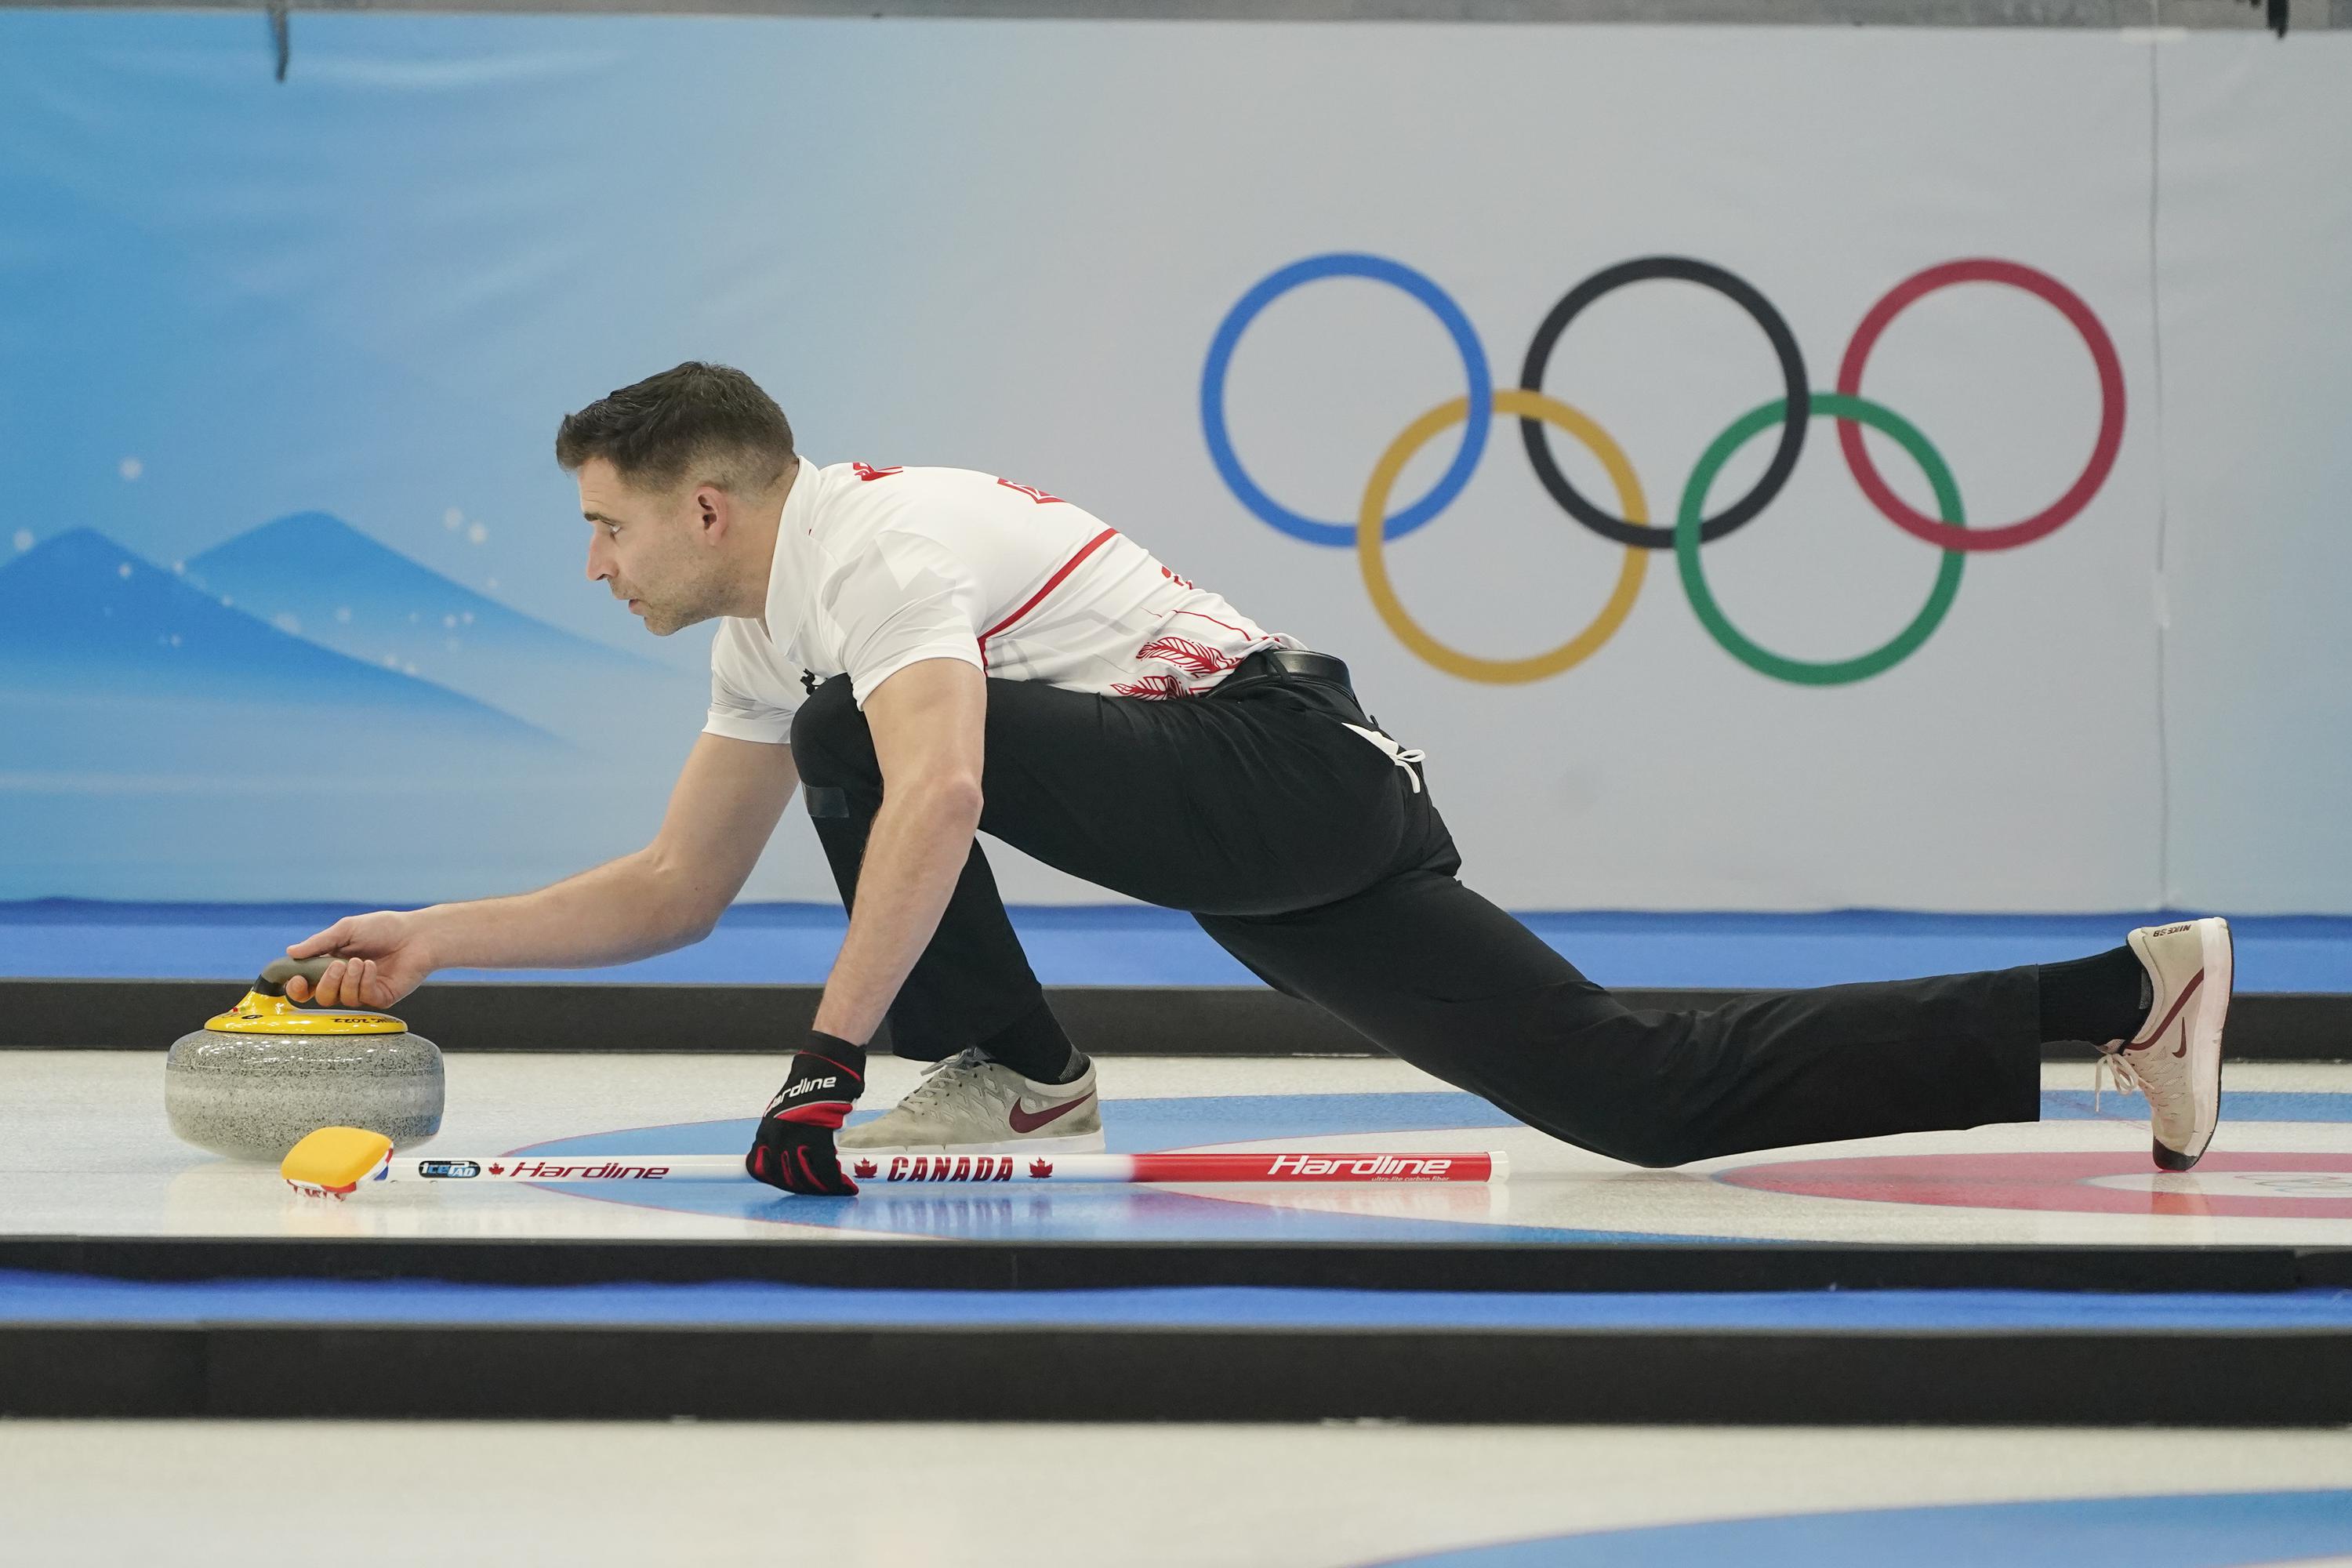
(934, 651)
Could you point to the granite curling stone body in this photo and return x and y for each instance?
(258, 1079)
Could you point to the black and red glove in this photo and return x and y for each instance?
(793, 1148)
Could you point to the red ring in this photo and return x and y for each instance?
(2069, 304)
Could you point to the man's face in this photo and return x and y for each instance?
(657, 550)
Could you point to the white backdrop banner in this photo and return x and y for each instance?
(1768, 468)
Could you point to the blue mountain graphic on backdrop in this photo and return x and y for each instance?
(112, 662)
(315, 576)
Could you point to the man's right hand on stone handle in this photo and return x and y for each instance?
(378, 959)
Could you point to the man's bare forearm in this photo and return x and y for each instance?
(921, 839)
(623, 911)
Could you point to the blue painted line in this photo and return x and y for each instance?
(1144, 1126)
(1140, 1126)
(27, 1298)
(2227, 1529)
(1136, 945)
(2237, 1105)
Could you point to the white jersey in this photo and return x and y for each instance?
(877, 569)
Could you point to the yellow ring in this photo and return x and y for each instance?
(1371, 521)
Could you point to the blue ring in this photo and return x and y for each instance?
(1380, 270)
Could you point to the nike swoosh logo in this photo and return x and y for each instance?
(1023, 1121)
(2178, 1004)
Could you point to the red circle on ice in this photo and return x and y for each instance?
(2247, 1187)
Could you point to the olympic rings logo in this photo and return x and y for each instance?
(1791, 414)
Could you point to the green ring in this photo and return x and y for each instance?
(1804, 672)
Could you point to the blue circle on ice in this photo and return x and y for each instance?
(2222, 1529)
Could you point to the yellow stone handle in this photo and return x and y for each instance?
(267, 1010)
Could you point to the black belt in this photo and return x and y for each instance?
(1318, 677)
(1272, 664)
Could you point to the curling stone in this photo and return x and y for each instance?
(255, 1082)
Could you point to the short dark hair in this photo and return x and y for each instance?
(710, 422)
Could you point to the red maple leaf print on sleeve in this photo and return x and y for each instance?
(1185, 654)
(1152, 688)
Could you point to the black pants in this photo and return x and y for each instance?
(1308, 854)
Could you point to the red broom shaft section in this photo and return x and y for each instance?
(1310, 1165)
(1306, 1165)
(1314, 1167)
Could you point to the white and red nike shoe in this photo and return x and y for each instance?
(2175, 1058)
(970, 1105)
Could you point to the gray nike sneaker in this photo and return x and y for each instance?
(970, 1105)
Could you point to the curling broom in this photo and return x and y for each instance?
(335, 1161)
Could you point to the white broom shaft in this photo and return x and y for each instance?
(1314, 1165)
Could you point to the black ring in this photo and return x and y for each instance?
(1792, 374)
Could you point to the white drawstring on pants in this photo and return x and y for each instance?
(1403, 756)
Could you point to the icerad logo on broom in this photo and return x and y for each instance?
(1375, 524)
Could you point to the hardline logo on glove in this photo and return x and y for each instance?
(794, 1090)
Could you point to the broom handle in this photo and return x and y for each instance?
(1310, 1165)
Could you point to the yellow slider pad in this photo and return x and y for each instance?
(333, 1162)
